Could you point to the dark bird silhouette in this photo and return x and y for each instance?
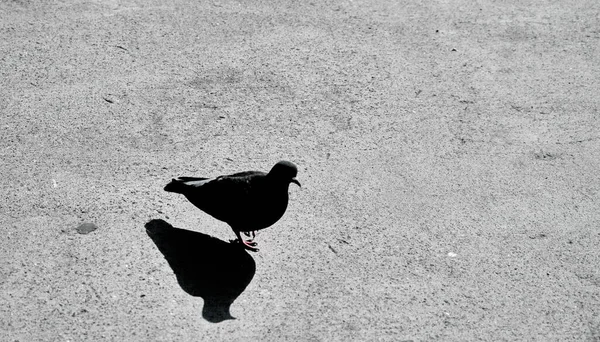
(247, 201)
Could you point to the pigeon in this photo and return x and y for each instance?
(247, 201)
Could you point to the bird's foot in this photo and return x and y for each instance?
(249, 245)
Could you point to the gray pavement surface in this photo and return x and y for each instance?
(449, 154)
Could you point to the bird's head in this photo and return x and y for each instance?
(285, 171)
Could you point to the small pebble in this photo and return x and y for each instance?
(86, 228)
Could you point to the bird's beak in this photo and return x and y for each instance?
(295, 181)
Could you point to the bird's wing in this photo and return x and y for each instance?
(191, 178)
(222, 183)
(245, 174)
(194, 182)
(225, 197)
(237, 184)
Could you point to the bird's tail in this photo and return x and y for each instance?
(183, 184)
(176, 185)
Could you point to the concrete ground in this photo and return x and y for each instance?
(449, 153)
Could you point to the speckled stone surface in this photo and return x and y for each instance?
(448, 153)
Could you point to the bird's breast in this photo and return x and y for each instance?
(266, 209)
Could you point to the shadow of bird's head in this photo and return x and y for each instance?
(284, 171)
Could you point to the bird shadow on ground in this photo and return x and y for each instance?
(205, 266)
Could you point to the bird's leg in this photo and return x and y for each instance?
(251, 235)
(249, 245)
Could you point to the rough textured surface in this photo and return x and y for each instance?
(448, 151)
